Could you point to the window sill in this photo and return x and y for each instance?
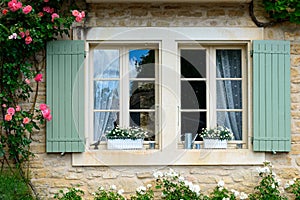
(168, 157)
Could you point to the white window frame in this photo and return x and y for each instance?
(124, 79)
(211, 79)
(168, 153)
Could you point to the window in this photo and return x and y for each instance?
(169, 81)
(213, 89)
(124, 88)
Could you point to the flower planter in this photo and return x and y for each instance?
(125, 144)
(215, 144)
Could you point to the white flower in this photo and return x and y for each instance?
(101, 188)
(243, 196)
(113, 187)
(157, 174)
(225, 198)
(291, 182)
(120, 192)
(286, 185)
(13, 36)
(235, 193)
(141, 189)
(220, 189)
(196, 189)
(181, 179)
(264, 170)
(149, 185)
(273, 185)
(221, 183)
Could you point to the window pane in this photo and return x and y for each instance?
(142, 63)
(232, 120)
(144, 120)
(229, 63)
(106, 95)
(229, 94)
(103, 122)
(193, 95)
(142, 94)
(192, 122)
(193, 63)
(106, 63)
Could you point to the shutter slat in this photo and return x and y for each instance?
(64, 59)
(271, 96)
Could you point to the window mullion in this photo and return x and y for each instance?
(212, 87)
(124, 84)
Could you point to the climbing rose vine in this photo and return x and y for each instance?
(26, 26)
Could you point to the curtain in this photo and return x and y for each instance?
(229, 92)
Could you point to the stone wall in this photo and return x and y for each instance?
(51, 172)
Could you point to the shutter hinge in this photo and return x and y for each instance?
(85, 54)
(251, 52)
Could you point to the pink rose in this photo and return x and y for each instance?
(47, 114)
(80, 16)
(46, 1)
(53, 16)
(4, 11)
(27, 9)
(75, 13)
(27, 81)
(8, 117)
(27, 33)
(47, 9)
(10, 111)
(28, 40)
(14, 5)
(4, 105)
(38, 77)
(26, 120)
(40, 14)
(22, 34)
(43, 106)
(18, 108)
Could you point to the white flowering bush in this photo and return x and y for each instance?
(127, 133)
(293, 186)
(174, 186)
(221, 193)
(219, 132)
(143, 193)
(109, 194)
(269, 186)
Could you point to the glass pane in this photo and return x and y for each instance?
(233, 121)
(103, 122)
(142, 94)
(106, 95)
(144, 120)
(193, 63)
(193, 94)
(106, 63)
(229, 63)
(192, 122)
(142, 63)
(229, 95)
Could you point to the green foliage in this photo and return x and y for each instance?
(283, 10)
(143, 193)
(110, 194)
(268, 187)
(294, 187)
(13, 187)
(72, 194)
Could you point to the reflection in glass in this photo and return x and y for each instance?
(193, 63)
(142, 63)
(193, 94)
(229, 94)
(106, 63)
(232, 120)
(144, 120)
(106, 95)
(103, 122)
(229, 63)
(142, 94)
(192, 122)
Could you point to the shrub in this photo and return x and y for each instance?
(72, 194)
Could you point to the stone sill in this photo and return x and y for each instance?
(168, 1)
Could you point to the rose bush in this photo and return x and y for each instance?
(26, 27)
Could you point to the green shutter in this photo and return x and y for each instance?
(271, 96)
(65, 96)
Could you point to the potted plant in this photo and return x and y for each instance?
(216, 137)
(126, 138)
